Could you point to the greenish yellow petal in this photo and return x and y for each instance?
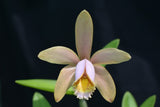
(64, 81)
(104, 83)
(110, 56)
(84, 34)
(59, 55)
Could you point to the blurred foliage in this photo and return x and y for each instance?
(129, 101)
(40, 101)
(42, 84)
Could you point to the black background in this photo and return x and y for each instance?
(29, 26)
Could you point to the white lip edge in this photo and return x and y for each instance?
(85, 96)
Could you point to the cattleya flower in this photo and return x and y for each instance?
(83, 72)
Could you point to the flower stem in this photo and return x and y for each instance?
(83, 103)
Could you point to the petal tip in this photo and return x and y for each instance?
(85, 14)
(57, 99)
(129, 56)
(40, 55)
(110, 100)
(84, 11)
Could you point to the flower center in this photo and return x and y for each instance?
(84, 79)
(84, 84)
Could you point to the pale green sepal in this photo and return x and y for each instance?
(84, 34)
(113, 44)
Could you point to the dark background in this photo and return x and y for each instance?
(29, 26)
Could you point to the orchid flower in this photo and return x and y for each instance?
(84, 73)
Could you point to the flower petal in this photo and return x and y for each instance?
(82, 66)
(80, 69)
(59, 55)
(105, 83)
(64, 81)
(84, 34)
(84, 79)
(90, 70)
(110, 56)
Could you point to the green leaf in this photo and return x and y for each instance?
(113, 44)
(128, 100)
(42, 84)
(40, 101)
(149, 102)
